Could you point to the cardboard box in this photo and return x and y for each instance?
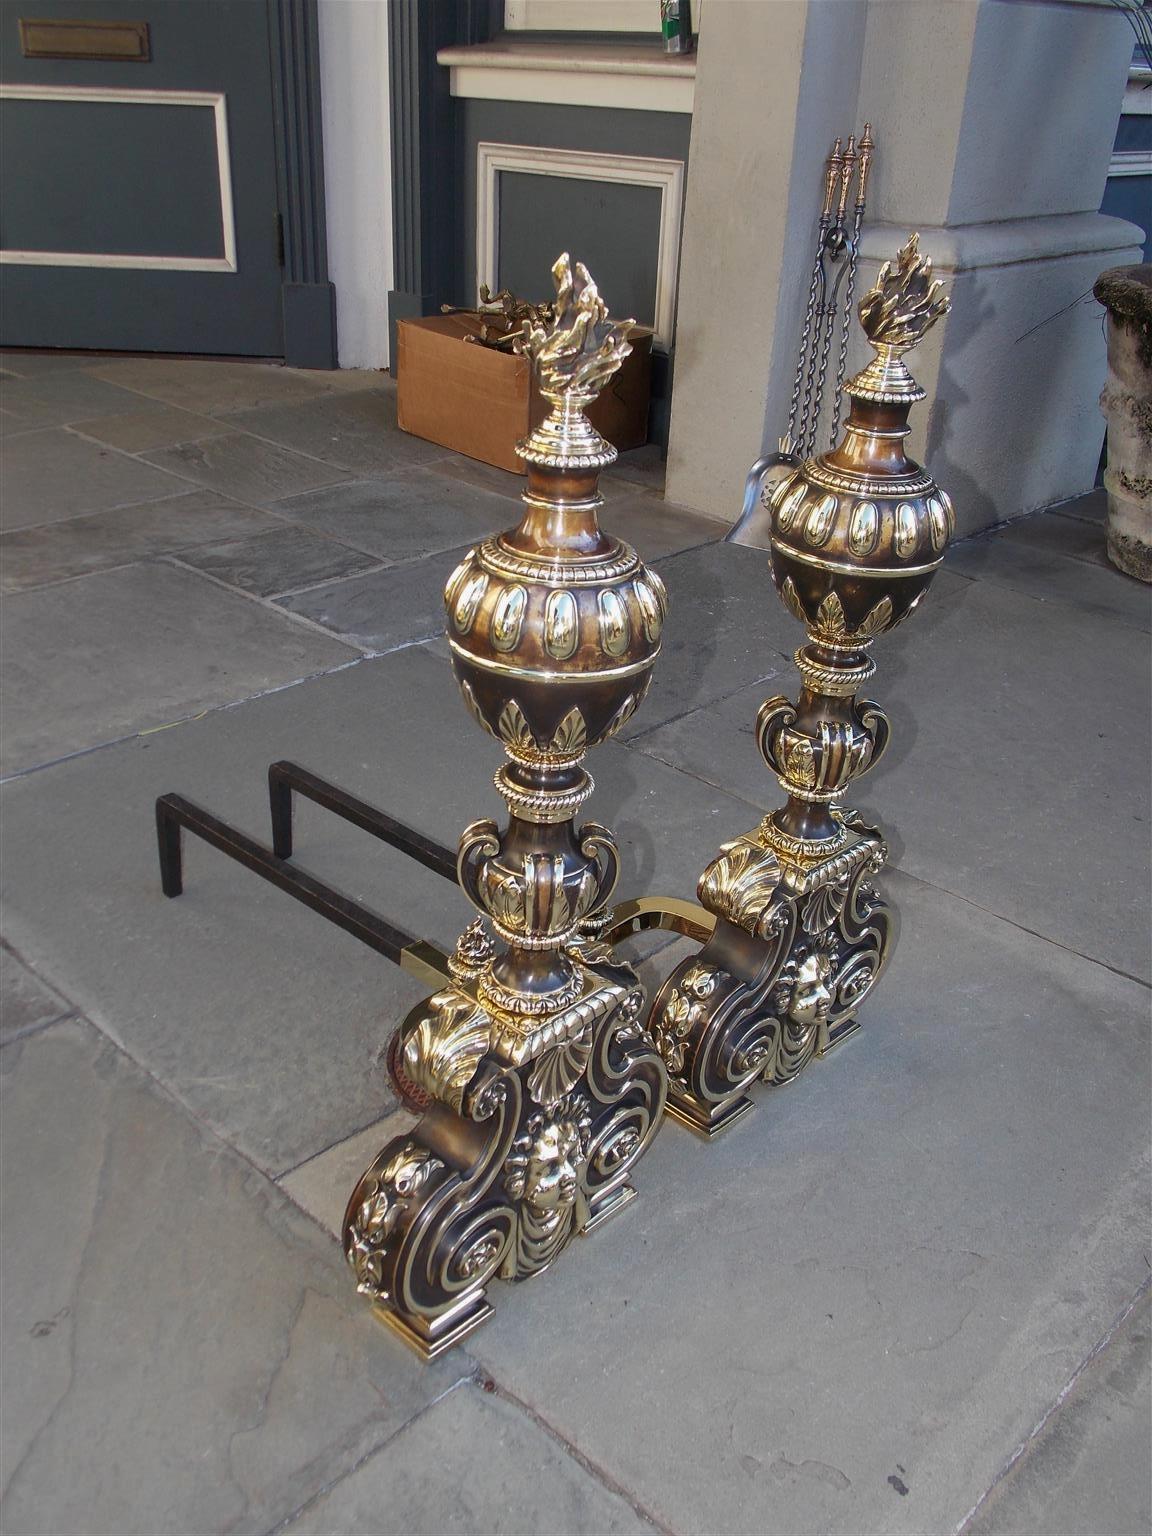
(481, 402)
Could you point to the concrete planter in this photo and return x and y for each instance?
(1126, 293)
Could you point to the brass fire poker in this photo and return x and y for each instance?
(541, 1088)
(801, 933)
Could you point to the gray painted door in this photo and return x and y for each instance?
(138, 200)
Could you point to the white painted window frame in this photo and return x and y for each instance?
(1130, 162)
(212, 100)
(585, 165)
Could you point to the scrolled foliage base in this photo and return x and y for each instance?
(794, 953)
(528, 1140)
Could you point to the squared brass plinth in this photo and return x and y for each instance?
(688, 1112)
(429, 1340)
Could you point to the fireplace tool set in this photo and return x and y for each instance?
(827, 322)
(539, 1070)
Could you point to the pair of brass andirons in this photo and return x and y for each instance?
(541, 1080)
(540, 1077)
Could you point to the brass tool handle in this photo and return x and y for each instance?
(867, 144)
(847, 169)
(831, 176)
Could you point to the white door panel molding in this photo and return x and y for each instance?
(211, 100)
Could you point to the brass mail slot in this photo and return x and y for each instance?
(122, 41)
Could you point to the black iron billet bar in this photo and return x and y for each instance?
(174, 814)
(286, 778)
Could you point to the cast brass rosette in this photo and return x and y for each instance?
(543, 1090)
(801, 932)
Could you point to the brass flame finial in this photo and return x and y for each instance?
(896, 313)
(904, 303)
(573, 357)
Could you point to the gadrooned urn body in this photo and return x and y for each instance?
(554, 625)
(859, 533)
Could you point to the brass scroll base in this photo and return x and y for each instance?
(527, 1142)
(759, 1005)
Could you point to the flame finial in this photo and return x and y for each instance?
(903, 305)
(573, 358)
(905, 302)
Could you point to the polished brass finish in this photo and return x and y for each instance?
(120, 42)
(801, 933)
(539, 1086)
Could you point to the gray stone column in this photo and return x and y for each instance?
(774, 83)
(994, 124)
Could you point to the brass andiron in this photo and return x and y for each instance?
(801, 933)
(540, 1088)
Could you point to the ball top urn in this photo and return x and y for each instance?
(858, 533)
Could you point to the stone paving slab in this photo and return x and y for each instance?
(1017, 773)
(323, 1184)
(1056, 559)
(92, 660)
(1072, 531)
(209, 387)
(401, 605)
(1090, 1467)
(1092, 507)
(657, 528)
(52, 475)
(245, 467)
(185, 1349)
(28, 365)
(405, 517)
(886, 1274)
(357, 432)
(55, 399)
(472, 1464)
(156, 426)
(279, 560)
(27, 1003)
(644, 466)
(96, 541)
(258, 1014)
(721, 634)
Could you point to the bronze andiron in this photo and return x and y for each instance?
(539, 1086)
(801, 933)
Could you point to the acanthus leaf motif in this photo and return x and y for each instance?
(571, 734)
(513, 728)
(791, 600)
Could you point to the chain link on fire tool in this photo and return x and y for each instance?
(827, 322)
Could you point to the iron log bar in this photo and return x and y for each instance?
(175, 815)
(285, 779)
